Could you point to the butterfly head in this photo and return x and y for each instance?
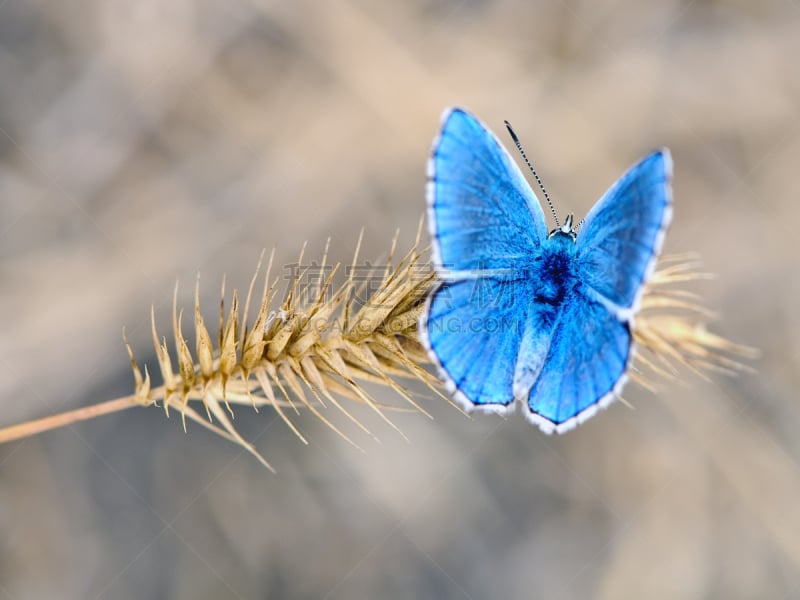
(566, 229)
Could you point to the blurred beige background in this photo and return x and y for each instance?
(143, 141)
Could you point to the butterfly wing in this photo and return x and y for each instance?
(483, 219)
(482, 213)
(616, 250)
(585, 365)
(473, 329)
(621, 237)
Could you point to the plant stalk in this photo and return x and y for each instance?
(29, 428)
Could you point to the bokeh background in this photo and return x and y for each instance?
(143, 141)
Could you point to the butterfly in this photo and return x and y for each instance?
(522, 315)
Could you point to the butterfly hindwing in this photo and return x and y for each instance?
(585, 365)
(622, 235)
(473, 330)
(481, 211)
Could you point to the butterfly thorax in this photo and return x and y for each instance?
(554, 269)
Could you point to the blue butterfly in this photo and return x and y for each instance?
(524, 315)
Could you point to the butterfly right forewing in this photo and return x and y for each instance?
(622, 235)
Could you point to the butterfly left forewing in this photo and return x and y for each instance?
(482, 214)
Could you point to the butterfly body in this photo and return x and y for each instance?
(525, 317)
(554, 270)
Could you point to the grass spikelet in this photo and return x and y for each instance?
(670, 329)
(313, 350)
(323, 341)
(307, 353)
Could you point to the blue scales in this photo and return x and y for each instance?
(522, 315)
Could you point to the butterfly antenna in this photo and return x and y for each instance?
(535, 174)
